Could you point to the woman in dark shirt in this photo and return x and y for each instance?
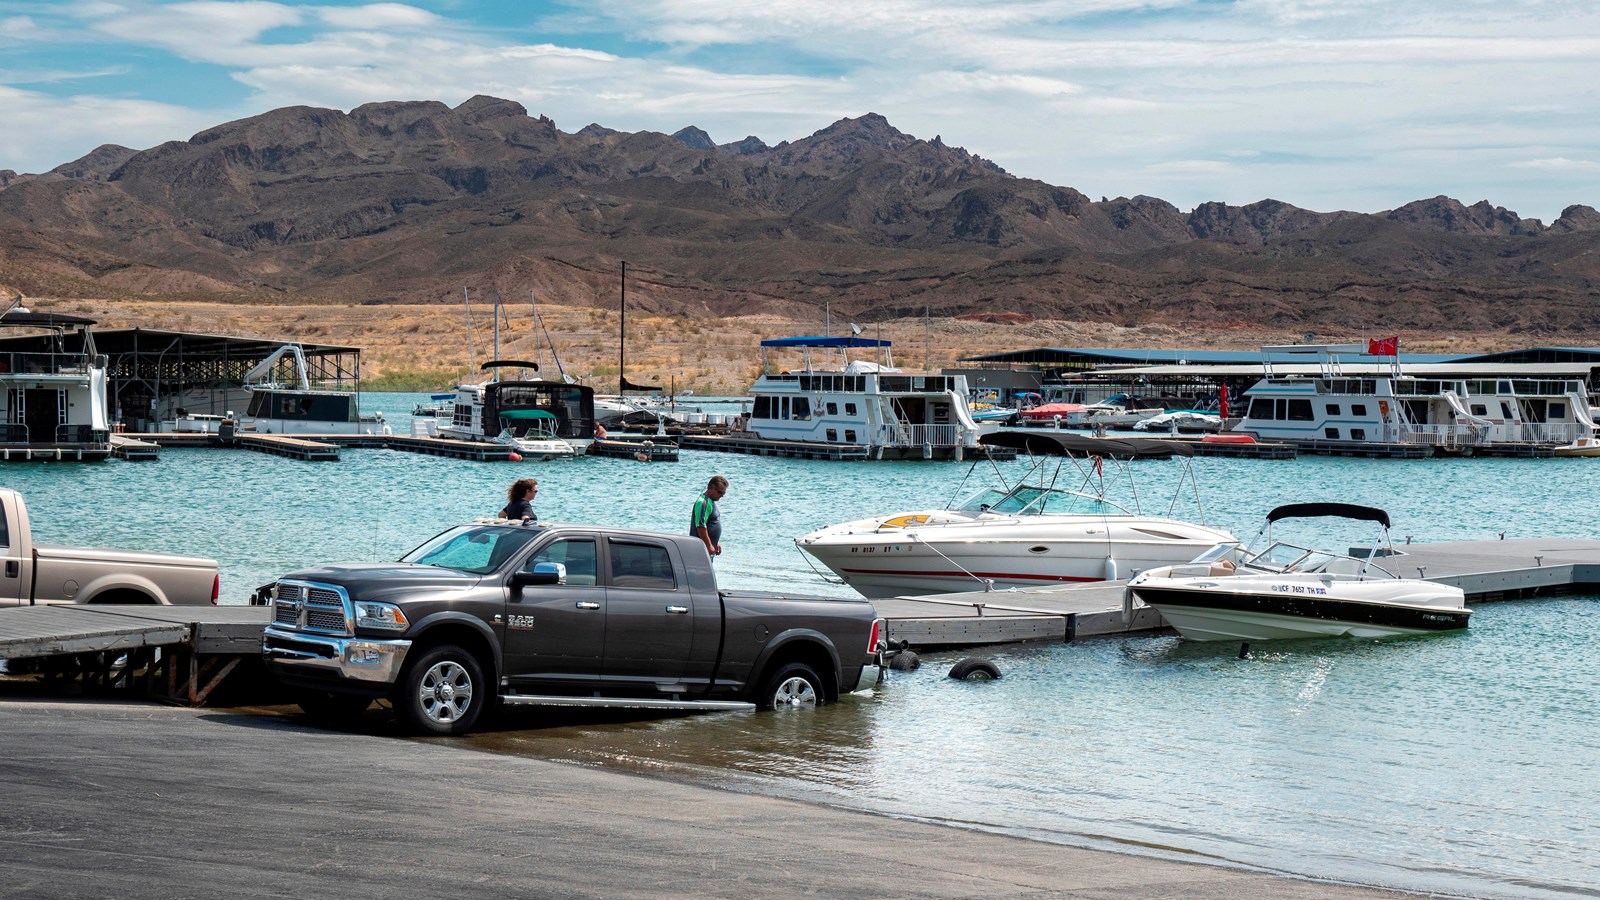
(519, 500)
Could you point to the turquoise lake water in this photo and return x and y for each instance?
(1461, 763)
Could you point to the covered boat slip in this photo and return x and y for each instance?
(1485, 570)
(175, 653)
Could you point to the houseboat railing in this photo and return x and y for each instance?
(49, 363)
(81, 434)
(917, 435)
(13, 433)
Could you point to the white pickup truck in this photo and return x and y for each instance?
(40, 574)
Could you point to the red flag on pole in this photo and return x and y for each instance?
(1389, 346)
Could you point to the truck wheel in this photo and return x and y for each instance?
(332, 709)
(442, 692)
(791, 687)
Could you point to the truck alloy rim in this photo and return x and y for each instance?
(795, 691)
(446, 692)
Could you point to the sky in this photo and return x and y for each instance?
(1360, 105)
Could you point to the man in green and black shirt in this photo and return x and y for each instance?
(704, 522)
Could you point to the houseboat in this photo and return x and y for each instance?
(1453, 408)
(832, 399)
(287, 402)
(54, 401)
(539, 418)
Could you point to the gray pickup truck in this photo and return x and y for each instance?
(557, 615)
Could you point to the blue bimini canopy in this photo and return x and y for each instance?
(819, 341)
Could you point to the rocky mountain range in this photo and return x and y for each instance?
(411, 201)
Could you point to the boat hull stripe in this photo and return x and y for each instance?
(1301, 607)
(1015, 576)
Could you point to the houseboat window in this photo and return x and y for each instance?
(1358, 434)
(833, 434)
(1333, 409)
(833, 409)
(1556, 411)
(1300, 411)
(783, 408)
(802, 407)
(1505, 408)
(1331, 433)
(762, 409)
(849, 436)
(1504, 388)
(1478, 409)
(849, 409)
(1261, 409)
(1358, 409)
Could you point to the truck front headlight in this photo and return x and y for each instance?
(381, 615)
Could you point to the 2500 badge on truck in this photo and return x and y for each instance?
(557, 615)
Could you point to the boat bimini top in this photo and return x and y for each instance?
(1285, 558)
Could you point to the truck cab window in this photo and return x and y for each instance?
(641, 566)
(577, 556)
(5, 530)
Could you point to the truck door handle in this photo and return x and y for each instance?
(12, 568)
(678, 610)
(588, 604)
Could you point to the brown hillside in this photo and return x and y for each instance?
(406, 202)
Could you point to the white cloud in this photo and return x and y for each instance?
(1558, 164)
(379, 16)
(43, 131)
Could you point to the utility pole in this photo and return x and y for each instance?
(622, 335)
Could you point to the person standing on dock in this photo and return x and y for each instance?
(519, 500)
(705, 522)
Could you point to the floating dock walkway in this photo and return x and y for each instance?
(309, 447)
(180, 654)
(1485, 570)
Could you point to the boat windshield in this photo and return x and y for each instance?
(981, 501)
(1287, 558)
(1032, 500)
(1227, 550)
(479, 549)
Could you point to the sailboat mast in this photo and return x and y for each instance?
(538, 348)
(622, 336)
(496, 332)
(472, 359)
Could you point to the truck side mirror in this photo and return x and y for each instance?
(543, 573)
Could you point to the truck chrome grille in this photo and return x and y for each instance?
(306, 607)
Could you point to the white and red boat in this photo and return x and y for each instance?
(1027, 536)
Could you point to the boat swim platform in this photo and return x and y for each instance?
(56, 453)
(648, 449)
(1493, 570)
(180, 654)
(311, 447)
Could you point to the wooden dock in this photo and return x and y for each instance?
(1485, 570)
(646, 450)
(175, 653)
(315, 446)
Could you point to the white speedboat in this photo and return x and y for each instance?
(1289, 591)
(1028, 536)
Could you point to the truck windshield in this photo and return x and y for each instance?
(472, 548)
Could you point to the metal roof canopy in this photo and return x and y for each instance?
(1101, 356)
(1349, 369)
(148, 368)
(820, 341)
